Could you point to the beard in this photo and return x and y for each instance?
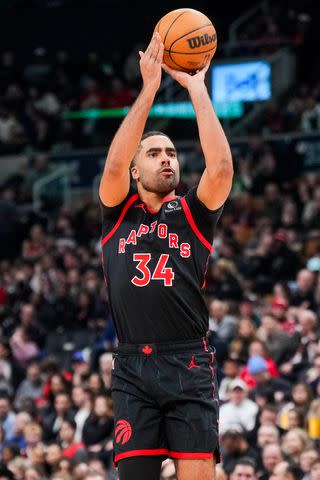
(159, 184)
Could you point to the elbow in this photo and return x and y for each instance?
(112, 170)
(224, 169)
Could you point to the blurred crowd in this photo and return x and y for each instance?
(34, 94)
(263, 297)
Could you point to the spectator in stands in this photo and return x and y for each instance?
(310, 118)
(8, 224)
(265, 382)
(82, 400)
(268, 434)
(307, 457)
(99, 425)
(244, 336)
(230, 372)
(303, 292)
(315, 469)
(31, 387)
(70, 448)
(244, 468)
(219, 320)
(52, 457)
(7, 416)
(279, 345)
(106, 365)
(271, 457)
(21, 420)
(294, 443)
(62, 410)
(257, 349)
(33, 437)
(239, 411)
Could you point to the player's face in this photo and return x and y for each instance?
(156, 166)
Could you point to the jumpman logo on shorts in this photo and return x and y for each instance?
(192, 363)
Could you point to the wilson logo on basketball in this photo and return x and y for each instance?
(196, 42)
(122, 432)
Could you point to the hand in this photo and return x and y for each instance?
(286, 368)
(187, 80)
(95, 448)
(150, 63)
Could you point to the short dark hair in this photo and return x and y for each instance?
(247, 461)
(4, 395)
(295, 471)
(315, 462)
(150, 133)
(5, 473)
(71, 423)
(269, 407)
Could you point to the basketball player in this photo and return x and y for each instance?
(155, 249)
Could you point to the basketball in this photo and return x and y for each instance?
(189, 39)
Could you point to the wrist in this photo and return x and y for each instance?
(196, 87)
(149, 90)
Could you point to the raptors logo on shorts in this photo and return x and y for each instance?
(123, 432)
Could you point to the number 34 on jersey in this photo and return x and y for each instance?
(161, 271)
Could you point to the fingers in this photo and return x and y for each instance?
(160, 53)
(206, 68)
(168, 69)
(155, 48)
(174, 74)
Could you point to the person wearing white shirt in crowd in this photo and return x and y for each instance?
(239, 412)
(82, 400)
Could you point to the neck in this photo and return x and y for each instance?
(154, 200)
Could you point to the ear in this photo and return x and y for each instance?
(135, 172)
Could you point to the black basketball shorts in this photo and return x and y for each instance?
(165, 401)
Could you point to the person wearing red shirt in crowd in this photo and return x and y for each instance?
(279, 310)
(257, 350)
(71, 449)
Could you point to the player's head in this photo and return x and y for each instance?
(155, 153)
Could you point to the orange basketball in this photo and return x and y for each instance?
(189, 39)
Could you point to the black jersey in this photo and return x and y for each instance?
(154, 266)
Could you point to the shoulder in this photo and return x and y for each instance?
(198, 209)
(112, 212)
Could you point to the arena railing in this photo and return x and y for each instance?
(62, 177)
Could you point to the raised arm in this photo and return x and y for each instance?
(216, 181)
(115, 181)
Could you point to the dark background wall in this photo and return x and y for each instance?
(103, 27)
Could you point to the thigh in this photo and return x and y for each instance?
(138, 468)
(195, 469)
(192, 419)
(138, 424)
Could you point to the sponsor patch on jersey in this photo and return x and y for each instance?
(172, 206)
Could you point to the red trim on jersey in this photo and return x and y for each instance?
(102, 261)
(205, 273)
(140, 453)
(162, 451)
(194, 227)
(191, 455)
(212, 374)
(164, 200)
(205, 345)
(117, 225)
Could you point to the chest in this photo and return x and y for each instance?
(167, 231)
